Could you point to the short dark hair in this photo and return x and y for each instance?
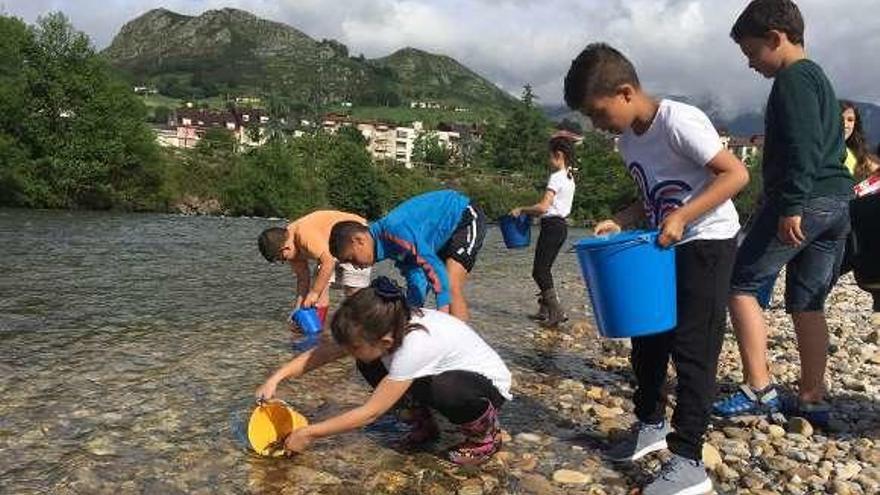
(371, 313)
(762, 16)
(598, 71)
(270, 243)
(342, 234)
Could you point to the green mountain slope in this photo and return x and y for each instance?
(231, 51)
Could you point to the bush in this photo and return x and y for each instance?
(269, 181)
(748, 199)
(603, 184)
(403, 183)
(355, 183)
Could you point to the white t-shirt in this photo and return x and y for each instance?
(563, 187)
(668, 163)
(446, 344)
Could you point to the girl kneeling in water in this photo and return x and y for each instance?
(421, 357)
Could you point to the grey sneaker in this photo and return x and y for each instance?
(645, 438)
(680, 476)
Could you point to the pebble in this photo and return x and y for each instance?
(711, 457)
(776, 431)
(848, 471)
(570, 477)
(800, 426)
(535, 484)
(528, 438)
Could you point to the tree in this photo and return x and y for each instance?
(747, 201)
(428, 150)
(352, 134)
(161, 114)
(603, 182)
(354, 182)
(519, 142)
(82, 127)
(216, 141)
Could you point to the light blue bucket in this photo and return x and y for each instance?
(631, 283)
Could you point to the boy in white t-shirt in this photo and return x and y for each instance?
(421, 358)
(687, 180)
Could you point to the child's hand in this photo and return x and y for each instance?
(790, 231)
(607, 227)
(310, 300)
(298, 441)
(671, 229)
(266, 391)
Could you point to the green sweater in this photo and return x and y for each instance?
(804, 148)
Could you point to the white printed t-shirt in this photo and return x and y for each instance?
(563, 189)
(446, 344)
(668, 163)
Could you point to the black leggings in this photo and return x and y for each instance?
(460, 396)
(703, 270)
(554, 231)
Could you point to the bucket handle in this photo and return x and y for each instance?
(641, 239)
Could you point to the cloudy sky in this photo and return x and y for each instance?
(678, 46)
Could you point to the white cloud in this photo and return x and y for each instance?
(678, 46)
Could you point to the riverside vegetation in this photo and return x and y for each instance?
(74, 136)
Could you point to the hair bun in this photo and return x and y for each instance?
(386, 288)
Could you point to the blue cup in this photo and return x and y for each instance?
(307, 320)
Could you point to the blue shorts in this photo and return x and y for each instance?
(811, 268)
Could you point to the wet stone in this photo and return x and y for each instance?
(571, 477)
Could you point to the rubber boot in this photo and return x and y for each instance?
(423, 428)
(542, 313)
(555, 314)
(482, 439)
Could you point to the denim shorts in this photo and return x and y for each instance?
(811, 267)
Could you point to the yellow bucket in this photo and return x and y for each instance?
(270, 422)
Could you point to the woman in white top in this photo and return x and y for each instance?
(553, 209)
(419, 358)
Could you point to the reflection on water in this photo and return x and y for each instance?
(131, 345)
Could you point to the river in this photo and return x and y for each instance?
(132, 343)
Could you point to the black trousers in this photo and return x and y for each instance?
(460, 396)
(864, 244)
(703, 271)
(554, 231)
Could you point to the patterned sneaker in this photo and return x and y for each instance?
(817, 413)
(748, 402)
(680, 476)
(645, 438)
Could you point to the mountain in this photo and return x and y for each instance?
(233, 51)
(424, 76)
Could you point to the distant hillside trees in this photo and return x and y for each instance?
(72, 133)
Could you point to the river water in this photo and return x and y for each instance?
(130, 346)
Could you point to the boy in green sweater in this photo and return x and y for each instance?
(804, 220)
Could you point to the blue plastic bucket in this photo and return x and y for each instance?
(517, 231)
(307, 320)
(631, 283)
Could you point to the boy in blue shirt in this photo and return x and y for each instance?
(687, 180)
(433, 238)
(804, 221)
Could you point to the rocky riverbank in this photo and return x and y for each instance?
(576, 413)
